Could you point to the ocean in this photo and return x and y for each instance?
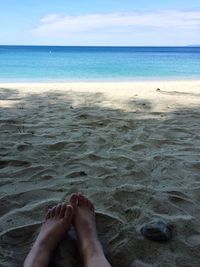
(59, 63)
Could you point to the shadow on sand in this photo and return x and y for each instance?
(135, 165)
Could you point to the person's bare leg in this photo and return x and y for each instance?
(85, 225)
(58, 220)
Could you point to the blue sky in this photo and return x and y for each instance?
(105, 22)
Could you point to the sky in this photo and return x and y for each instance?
(103, 22)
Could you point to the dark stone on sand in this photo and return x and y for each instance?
(82, 173)
(158, 89)
(159, 231)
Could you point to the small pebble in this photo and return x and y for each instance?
(159, 231)
(82, 173)
(158, 89)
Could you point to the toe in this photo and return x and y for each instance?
(57, 212)
(82, 200)
(53, 212)
(68, 213)
(62, 210)
(74, 200)
(48, 214)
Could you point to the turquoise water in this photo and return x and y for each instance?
(51, 63)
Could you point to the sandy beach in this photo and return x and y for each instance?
(133, 148)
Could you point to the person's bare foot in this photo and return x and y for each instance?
(85, 225)
(57, 223)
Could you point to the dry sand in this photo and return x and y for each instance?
(134, 150)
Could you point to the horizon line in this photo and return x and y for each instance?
(41, 45)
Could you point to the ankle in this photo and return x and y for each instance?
(38, 256)
(91, 248)
(95, 255)
(40, 247)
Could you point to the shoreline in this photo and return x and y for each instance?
(84, 84)
(100, 81)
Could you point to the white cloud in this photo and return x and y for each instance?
(91, 28)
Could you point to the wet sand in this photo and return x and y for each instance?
(132, 148)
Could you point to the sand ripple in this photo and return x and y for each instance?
(136, 158)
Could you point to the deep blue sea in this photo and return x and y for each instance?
(58, 63)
